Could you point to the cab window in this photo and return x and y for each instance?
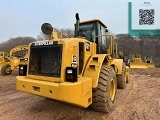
(88, 31)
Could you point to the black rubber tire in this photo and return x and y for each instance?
(101, 95)
(4, 69)
(128, 75)
(121, 79)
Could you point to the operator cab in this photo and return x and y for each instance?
(92, 28)
(148, 59)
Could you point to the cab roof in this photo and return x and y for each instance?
(95, 20)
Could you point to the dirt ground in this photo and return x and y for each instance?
(140, 100)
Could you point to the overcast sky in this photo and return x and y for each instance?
(25, 17)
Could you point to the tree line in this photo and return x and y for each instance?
(141, 45)
(144, 46)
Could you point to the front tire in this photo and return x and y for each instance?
(6, 69)
(105, 93)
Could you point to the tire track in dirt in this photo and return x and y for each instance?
(13, 97)
(132, 102)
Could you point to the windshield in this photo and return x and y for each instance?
(88, 31)
(108, 40)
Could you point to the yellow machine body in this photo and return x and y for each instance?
(70, 54)
(80, 92)
(138, 64)
(4, 58)
(13, 61)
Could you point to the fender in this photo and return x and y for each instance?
(118, 64)
(93, 68)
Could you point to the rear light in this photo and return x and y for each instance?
(23, 59)
(22, 70)
(71, 74)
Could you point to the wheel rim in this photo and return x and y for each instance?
(128, 77)
(8, 69)
(125, 77)
(112, 89)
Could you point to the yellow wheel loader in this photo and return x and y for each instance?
(4, 58)
(149, 62)
(15, 61)
(77, 70)
(136, 62)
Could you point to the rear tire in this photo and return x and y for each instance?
(6, 69)
(105, 93)
(121, 79)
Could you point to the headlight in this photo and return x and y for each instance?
(21, 67)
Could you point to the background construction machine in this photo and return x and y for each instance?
(119, 54)
(15, 59)
(149, 61)
(136, 62)
(4, 58)
(78, 70)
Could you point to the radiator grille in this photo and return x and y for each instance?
(45, 60)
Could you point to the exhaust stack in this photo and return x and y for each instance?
(77, 25)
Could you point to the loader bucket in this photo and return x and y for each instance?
(150, 65)
(138, 64)
(149, 62)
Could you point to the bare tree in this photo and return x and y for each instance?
(66, 31)
(42, 36)
(13, 42)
